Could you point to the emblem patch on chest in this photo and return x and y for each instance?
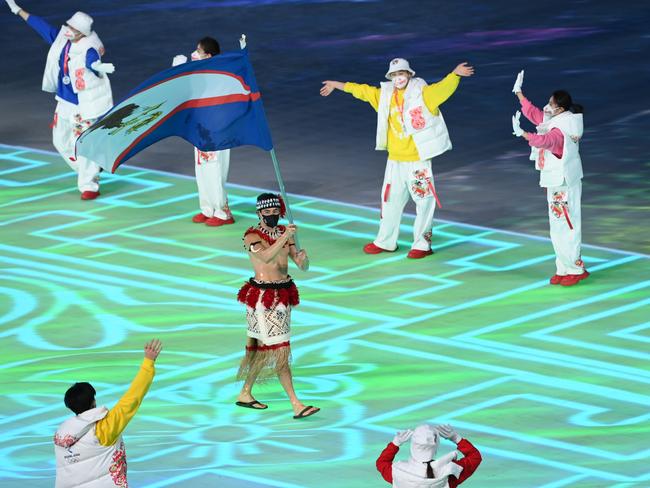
(417, 118)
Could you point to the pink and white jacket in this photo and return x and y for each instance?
(555, 147)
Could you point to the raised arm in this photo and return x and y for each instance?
(438, 93)
(470, 462)
(530, 111)
(366, 93)
(472, 457)
(385, 460)
(109, 429)
(44, 29)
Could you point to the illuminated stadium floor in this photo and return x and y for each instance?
(550, 383)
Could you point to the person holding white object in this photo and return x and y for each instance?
(422, 470)
(75, 73)
(555, 150)
(411, 128)
(211, 167)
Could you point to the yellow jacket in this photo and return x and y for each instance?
(109, 429)
(400, 145)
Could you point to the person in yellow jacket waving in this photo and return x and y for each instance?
(89, 448)
(411, 127)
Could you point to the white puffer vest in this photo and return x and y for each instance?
(567, 169)
(429, 131)
(412, 474)
(94, 92)
(81, 460)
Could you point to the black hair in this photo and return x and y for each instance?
(210, 46)
(80, 397)
(563, 99)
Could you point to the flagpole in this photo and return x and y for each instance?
(278, 176)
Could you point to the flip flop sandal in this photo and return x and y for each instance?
(302, 415)
(251, 405)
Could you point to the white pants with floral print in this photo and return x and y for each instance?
(211, 169)
(67, 126)
(401, 180)
(566, 227)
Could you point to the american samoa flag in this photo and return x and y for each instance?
(213, 104)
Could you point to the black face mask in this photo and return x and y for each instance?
(271, 220)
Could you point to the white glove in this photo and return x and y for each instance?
(448, 432)
(179, 59)
(242, 41)
(402, 436)
(516, 126)
(13, 7)
(518, 82)
(103, 67)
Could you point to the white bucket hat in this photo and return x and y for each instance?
(82, 22)
(399, 64)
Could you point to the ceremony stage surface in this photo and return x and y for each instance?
(550, 383)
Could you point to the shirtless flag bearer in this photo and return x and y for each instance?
(269, 298)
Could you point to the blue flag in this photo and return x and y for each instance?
(213, 104)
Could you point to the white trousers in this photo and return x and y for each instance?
(67, 126)
(211, 175)
(566, 227)
(401, 180)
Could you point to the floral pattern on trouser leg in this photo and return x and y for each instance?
(559, 204)
(565, 227)
(64, 136)
(80, 125)
(421, 184)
